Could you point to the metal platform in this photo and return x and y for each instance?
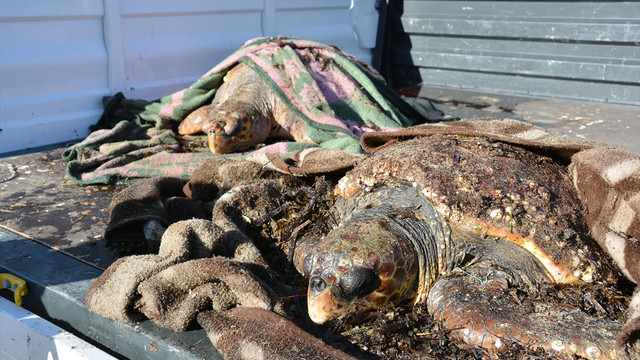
(57, 284)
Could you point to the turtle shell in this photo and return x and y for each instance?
(488, 188)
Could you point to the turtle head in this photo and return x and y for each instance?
(236, 126)
(356, 268)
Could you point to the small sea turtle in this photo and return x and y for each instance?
(245, 111)
(455, 222)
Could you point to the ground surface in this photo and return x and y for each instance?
(43, 205)
(608, 123)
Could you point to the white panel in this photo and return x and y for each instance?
(323, 21)
(169, 47)
(53, 71)
(59, 58)
(363, 18)
(581, 50)
(25, 335)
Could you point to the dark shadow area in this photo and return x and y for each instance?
(36, 262)
(392, 56)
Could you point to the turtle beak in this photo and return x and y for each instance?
(321, 304)
(219, 142)
(226, 137)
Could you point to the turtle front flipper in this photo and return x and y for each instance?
(477, 309)
(197, 121)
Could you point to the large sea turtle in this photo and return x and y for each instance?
(245, 111)
(454, 222)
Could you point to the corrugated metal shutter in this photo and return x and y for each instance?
(581, 50)
(58, 58)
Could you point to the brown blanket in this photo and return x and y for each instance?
(207, 265)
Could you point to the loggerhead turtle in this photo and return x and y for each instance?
(454, 222)
(245, 111)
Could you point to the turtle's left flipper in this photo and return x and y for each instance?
(197, 121)
(479, 311)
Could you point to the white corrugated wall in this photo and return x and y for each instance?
(58, 58)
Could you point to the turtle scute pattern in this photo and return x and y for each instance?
(477, 217)
(487, 188)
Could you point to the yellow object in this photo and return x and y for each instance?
(15, 284)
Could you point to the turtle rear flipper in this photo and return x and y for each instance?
(479, 311)
(493, 255)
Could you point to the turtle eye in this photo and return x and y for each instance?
(358, 282)
(317, 284)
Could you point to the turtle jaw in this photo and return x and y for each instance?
(357, 268)
(221, 143)
(327, 301)
(227, 138)
(326, 307)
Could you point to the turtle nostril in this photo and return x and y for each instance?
(317, 284)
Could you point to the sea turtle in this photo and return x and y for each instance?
(245, 111)
(453, 222)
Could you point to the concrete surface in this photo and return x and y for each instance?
(41, 204)
(600, 122)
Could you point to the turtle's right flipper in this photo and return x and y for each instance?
(479, 311)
